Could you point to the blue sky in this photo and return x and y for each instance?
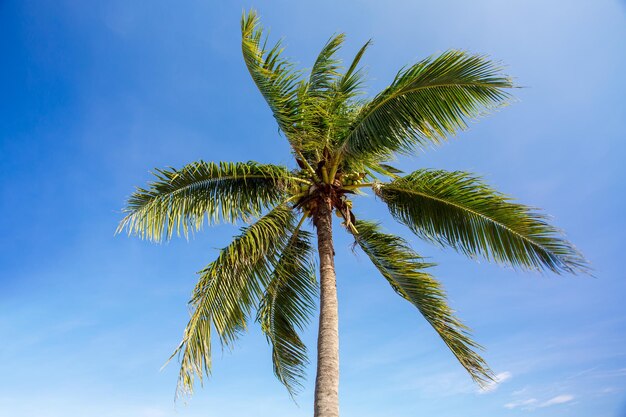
(94, 95)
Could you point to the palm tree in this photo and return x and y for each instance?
(342, 145)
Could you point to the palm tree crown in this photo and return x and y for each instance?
(342, 145)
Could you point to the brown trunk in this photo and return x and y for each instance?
(327, 380)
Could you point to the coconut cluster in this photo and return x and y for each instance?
(301, 187)
(353, 178)
(309, 187)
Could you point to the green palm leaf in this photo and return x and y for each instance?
(229, 288)
(314, 120)
(274, 76)
(287, 306)
(425, 104)
(340, 105)
(405, 271)
(183, 199)
(457, 209)
(348, 85)
(326, 67)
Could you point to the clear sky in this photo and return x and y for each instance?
(94, 95)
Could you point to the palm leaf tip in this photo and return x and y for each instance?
(286, 308)
(349, 84)
(406, 273)
(457, 209)
(426, 103)
(179, 201)
(274, 76)
(228, 290)
(326, 66)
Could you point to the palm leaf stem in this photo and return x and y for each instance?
(335, 166)
(357, 186)
(302, 180)
(304, 161)
(298, 226)
(294, 197)
(325, 176)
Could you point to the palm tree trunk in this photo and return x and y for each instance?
(327, 380)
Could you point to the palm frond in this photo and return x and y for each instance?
(348, 85)
(383, 169)
(459, 210)
(405, 271)
(274, 76)
(425, 104)
(314, 116)
(341, 107)
(327, 101)
(180, 200)
(326, 67)
(229, 288)
(286, 307)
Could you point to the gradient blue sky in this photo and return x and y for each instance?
(94, 95)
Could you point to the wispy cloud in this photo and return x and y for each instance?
(520, 391)
(611, 374)
(559, 399)
(520, 403)
(493, 385)
(533, 403)
(152, 412)
(442, 384)
(595, 372)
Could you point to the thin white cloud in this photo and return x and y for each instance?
(559, 399)
(533, 403)
(583, 373)
(152, 412)
(520, 391)
(595, 372)
(520, 403)
(611, 374)
(493, 385)
(443, 384)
